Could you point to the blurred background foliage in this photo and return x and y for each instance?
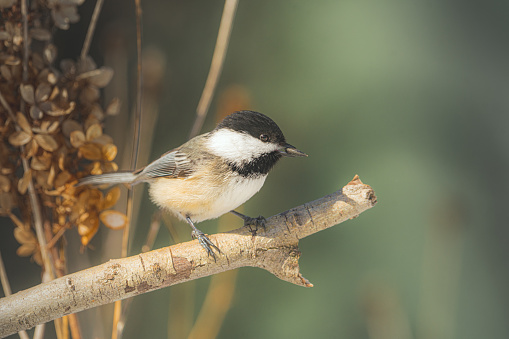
(410, 95)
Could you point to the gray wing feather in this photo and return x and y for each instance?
(172, 164)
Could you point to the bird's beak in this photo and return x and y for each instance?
(290, 151)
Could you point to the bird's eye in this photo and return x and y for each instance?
(264, 137)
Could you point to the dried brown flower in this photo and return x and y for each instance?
(64, 12)
(53, 120)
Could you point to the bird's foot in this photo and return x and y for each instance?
(205, 243)
(254, 224)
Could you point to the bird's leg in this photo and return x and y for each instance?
(203, 240)
(249, 221)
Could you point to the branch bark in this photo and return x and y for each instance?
(274, 249)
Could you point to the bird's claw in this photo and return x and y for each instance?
(258, 222)
(205, 243)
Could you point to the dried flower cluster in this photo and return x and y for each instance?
(51, 118)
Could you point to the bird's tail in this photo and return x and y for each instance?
(108, 179)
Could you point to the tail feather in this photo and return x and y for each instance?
(108, 178)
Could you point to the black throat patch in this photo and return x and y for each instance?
(259, 166)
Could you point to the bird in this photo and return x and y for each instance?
(213, 173)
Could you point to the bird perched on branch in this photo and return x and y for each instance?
(213, 173)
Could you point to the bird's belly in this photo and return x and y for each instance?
(194, 198)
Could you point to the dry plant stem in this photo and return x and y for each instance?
(3, 275)
(274, 249)
(9, 111)
(34, 201)
(216, 305)
(223, 38)
(155, 225)
(91, 29)
(117, 312)
(24, 19)
(7, 290)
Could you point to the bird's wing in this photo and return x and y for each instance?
(173, 164)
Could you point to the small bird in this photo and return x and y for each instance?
(213, 173)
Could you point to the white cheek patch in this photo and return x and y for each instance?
(237, 147)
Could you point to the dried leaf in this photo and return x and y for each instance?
(40, 163)
(27, 92)
(110, 167)
(47, 142)
(42, 92)
(89, 94)
(40, 34)
(12, 60)
(37, 257)
(36, 113)
(96, 198)
(114, 107)
(77, 138)
(111, 198)
(23, 122)
(31, 149)
(91, 120)
(24, 236)
(53, 127)
(70, 126)
(5, 183)
(51, 175)
(90, 151)
(103, 140)
(113, 219)
(50, 53)
(19, 138)
(96, 168)
(41, 178)
(61, 161)
(24, 181)
(56, 111)
(62, 178)
(109, 152)
(96, 112)
(88, 229)
(94, 131)
(4, 69)
(26, 250)
(43, 127)
(98, 77)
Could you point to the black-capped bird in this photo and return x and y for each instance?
(213, 173)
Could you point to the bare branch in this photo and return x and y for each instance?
(91, 29)
(274, 248)
(223, 38)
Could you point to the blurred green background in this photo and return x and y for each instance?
(410, 95)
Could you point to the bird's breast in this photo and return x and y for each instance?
(204, 197)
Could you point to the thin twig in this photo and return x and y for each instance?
(7, 291)
(56, 237)
(9, 111)
(24, 19)
(117, 312)
(91, 29)
(3, 278)
(155, 225)
(218, 299)
(223, 38)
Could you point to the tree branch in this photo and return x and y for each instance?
(274, 248)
